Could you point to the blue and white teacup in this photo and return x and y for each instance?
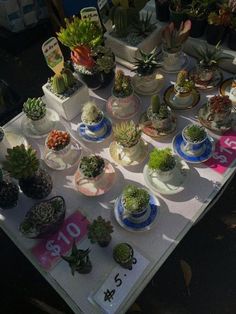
(193, 148)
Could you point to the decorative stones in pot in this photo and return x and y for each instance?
(123, 104)
(147, 81)
(78, 260)
(100, 231)
(123, 254)
(44, 218)
(172, 41)
(9, 192)
(22, 164)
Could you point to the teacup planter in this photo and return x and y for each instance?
(9, 192)
(123, 104)
(123, 254)
(158, 120)
(128, 148)
(95, 176)
(228, 88)
(65, 94)
(99, 231)
(44, 218)
(216, 114)
(194, 138)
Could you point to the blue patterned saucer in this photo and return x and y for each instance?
(97, 137)
(178, 147)
(142, 222)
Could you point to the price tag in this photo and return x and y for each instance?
(119, 283)
(53, 55)
(224, 154)
(49, 251)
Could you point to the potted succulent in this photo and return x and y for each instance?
(183, 89)
(84, 37)
(177, 12)
(100, 231)
(218, 21)
(162, 164)
(44, 218)
(22, 163)
(123, 254)
(162, 10)
(131, 30)
(65, 94)
(58, 141)
(197, 13)
(172, 41)
(145, 67)
(78, 260)
(91, 166)
(194, 137)
(9, 192)
(232, 34)
(92, 116)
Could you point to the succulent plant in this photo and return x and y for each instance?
(91, 166)
(78, 260)
(144, 26)
(68, 77)
(134, 199)
(44, 218)
(120, 20)
(57, 140)
(91, 113)
(123, 254)
(23, 164)
(122, 86)
(126, 133)
(58, 84)
(82, 55)
(220, 104)
(156, 110)
(34, 108)
(147, 63)
(183, 84)
(161, 159)
(9, 192)
(100, 231)
(194, 133)
(172, 38)
(105, 64)
(176, 5)
(221, 17)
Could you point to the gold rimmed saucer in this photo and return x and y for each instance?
(169, 99)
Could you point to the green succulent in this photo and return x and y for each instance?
(9, 192)
(100, 231)
(122, 86)
(91, 166)
(156, 110)
(105, 64)
(144, 26)
(123, 254)
(135, 199)
(21, 162)
(161, 159)
(91, 113)
(126, 133)
(34, 108)
(194, 133)
(147, 63)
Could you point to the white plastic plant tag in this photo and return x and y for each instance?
(53, 55)
(91, 13)
(119, 283)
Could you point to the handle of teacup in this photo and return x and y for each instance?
(187, 147)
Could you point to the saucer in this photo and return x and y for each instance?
(213, 83)
(12, 140)
(125, 160)
(210, 124)
(184, 63)
(29, 129)
(159, 84)
(225, 87)
(174, 186)
(116, 112)
(89, 136)
(142, 224)
(177, 144)
(149, 130)
(169, 95)
(98, 186)
(63, 160)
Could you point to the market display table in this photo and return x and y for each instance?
(109, 288)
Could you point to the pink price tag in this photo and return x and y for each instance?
(49, 251)
(224, 154)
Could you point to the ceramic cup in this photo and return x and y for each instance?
(193, 148)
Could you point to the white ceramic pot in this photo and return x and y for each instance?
(146, 83)
(232, 95)
(68, 107)
(163, 176)
(183, 98)
(42, 125)
(172, 60)
(130, 152)
(123, 106)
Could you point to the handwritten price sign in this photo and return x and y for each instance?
(119, 283)
(224, 154)
(48, 251)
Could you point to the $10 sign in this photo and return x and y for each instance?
(48, 251)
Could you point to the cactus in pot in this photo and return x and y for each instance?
(91, 166)
(78, 260)
(100, 231)
(127, 134)
(9, 192)
(122, 86)
(34, 108)
(58, 140)
(147, 63)
(123, 254)
(22, 163)
(91, 113)
(58, 84)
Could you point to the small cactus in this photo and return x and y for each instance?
(100, 231)
(91, 113)
(161, 159)
(194, 133)
(68, 77)
(156, 110)
(34, 108)
(135, 199)
(123, 254)
(91, 166)
(57, 140)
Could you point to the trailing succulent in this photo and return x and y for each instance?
(126, 133)
(91, 113)
(78, 260)
(9, 192)
(161, 159)
(122, 86)
(134, 199)
(157, 111)
(194, 133)
(147, 63)
(92, 166)
(57, 140)
(100, 231)
(34, 108)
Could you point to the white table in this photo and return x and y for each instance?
(177, 215)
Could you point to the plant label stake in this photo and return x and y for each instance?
(53, 55)
(92, 14)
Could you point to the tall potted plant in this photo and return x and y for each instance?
(100, 231)
(183, 89)
(194, 138)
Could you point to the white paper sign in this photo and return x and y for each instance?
(119, 283)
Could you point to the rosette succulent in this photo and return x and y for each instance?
(127, 134)
(100, 231)
(123, 254)
(34, 108)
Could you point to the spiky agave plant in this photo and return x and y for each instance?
(156, 110)
(9, 192)
(147, 63)
(34, 108)
(100, 231)
(126, 133)
(22, 163)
